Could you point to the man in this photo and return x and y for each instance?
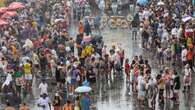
(9, 107)
(85, 102)
(44, 102)
(43, 87)
(23, 106)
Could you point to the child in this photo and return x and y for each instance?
(127, 70)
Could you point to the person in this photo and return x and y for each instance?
(57, 102)
(23, 106)
(44, 102)
(28, 74)
(127, 69)
(187, 79)
(68, 105)
(9, 107)
(77, 104)
(135, 25)
(85, 102)
(81, 28)
(177, 86)
(43, 87)
(87, 28)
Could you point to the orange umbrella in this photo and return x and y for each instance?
(16, 5)
(3, 9)
(8, 14)
(2, 22)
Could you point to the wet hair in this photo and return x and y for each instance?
(8, 104)
(68, 101)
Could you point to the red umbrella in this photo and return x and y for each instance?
(2, 22)
(16, 5)
(8, 14)
(3, 9)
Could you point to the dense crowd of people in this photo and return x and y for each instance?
(169, 40)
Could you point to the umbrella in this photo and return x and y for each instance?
(28, 43)
(160, 3)
(186, 18)
(3, 9)
(83, 89)
(80, 1)
(142, 2)
(2, 22)
(16, 5)
(87, 38)
(8, 14)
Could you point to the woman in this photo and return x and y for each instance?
(177, 86)
(127, 69)
(77, 104)
(81, 28)
(56, 102)
(68, 106)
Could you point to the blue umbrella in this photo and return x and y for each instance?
(142, 2)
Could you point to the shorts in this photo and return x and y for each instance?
(28, 77)
(73, 81)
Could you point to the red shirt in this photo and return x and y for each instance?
(127, 68)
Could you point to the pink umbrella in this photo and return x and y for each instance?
(2, 22)
(16, 5)
(87, 38)
(8, 14)
(3, 9)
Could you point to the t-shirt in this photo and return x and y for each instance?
(27, 68)
(43, 87)
(44, 102)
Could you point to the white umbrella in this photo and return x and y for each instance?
(28, 44)
(160, 3)
(186, 18)
(83, 89)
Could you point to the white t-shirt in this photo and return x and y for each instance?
(184, 54)
(43, 102)
(43, 87)
(139, 80)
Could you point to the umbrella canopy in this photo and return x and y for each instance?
(160, 3)
(80, 1)
(8, 14)
(16, 5)
(87, 38)
(28, 44)
(3, 9)
(186, 18)
(2, 22)
(142, 2)
(83, 89)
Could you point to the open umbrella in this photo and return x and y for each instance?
(16, 5)
(8, 14)
(3, 9)
(186, 18)
(142, 2)
(83, 89)
(160, 3)
(2, 22)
